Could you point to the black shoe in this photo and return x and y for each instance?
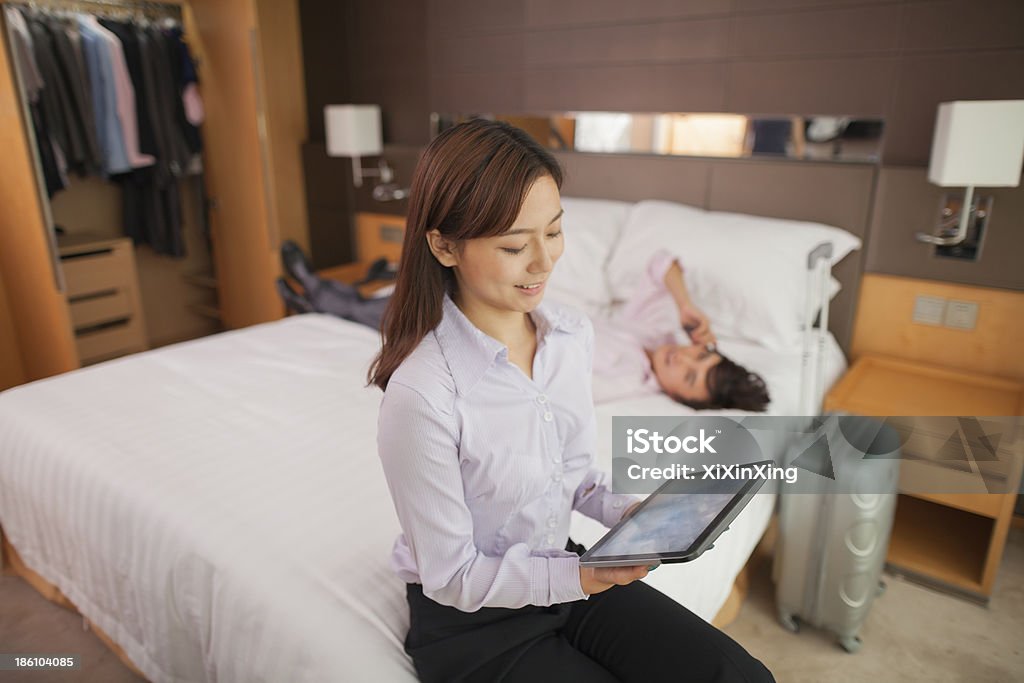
(296, 264)
(378, 270)
(293, 301)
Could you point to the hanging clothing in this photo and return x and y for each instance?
(23, 52)
(116, 98)
(86, 158)
(104, 95)
(125, 100)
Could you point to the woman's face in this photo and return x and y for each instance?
(508, 272)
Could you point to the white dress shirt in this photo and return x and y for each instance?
(485, 464)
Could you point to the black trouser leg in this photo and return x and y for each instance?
(640, 634)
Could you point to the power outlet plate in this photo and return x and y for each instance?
(962, 315)
(929, 310)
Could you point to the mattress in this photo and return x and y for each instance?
(218, 509)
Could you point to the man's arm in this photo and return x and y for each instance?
(695, 323)
(675, 284)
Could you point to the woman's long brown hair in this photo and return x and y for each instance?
(470, 182)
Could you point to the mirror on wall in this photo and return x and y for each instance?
(811, 138)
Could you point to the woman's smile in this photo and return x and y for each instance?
(533, 289)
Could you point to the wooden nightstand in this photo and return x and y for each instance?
(952, 541)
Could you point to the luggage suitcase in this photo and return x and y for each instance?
(832, 544)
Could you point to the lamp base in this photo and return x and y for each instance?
(970, 248)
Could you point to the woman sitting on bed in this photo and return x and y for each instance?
(487, 437)
(636, 353)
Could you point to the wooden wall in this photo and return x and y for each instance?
(894, 59)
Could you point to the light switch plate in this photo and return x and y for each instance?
(961, 314)
(929, 310)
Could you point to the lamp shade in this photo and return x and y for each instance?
(978, 143)
(353, 130)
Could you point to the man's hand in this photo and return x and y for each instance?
(696, 324)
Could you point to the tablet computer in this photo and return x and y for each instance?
(679, 521)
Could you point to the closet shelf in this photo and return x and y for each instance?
(206, 310)
(201, 279)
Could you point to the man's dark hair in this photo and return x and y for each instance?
(733, 386)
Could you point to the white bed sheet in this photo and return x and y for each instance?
(218, 509)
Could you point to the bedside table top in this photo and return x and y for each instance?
(879, 385)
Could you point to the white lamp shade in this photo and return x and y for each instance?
(353, 130)
(978, 144)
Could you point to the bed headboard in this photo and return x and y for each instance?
(831, 193)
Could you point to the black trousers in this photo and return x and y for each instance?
(627, 633)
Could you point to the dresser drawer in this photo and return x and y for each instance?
(103, 308)
(103, 297)
(90, 273)
(108, 342)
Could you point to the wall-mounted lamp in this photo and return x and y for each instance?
(353, 130)
(976, 144)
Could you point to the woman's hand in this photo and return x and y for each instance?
(629, 511)
(696, 324)
(599, 579)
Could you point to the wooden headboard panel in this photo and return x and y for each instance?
(835, 194)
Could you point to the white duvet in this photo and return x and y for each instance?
(218, 509)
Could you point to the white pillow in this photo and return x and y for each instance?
(592, 228)
(747, 273)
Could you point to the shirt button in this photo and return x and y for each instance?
(548, 417)
(617, 504)
(552, 522)
(556, 459)
(542, 399)
(557, 476)
(551, 539)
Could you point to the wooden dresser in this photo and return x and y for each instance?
(102, 289)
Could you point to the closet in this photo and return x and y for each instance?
(232, 216)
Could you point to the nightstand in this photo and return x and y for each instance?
(951, 541)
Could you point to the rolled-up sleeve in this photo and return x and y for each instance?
(418, 445)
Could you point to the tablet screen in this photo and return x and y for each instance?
(672, 520)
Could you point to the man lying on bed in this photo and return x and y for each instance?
(636, 350)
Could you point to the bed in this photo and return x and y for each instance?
(217, 510)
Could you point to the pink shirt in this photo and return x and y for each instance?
(648, 320)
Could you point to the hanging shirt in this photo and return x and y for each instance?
(648, 320)
(85, 149)
(485, 464)
(104, 95)
(125, 93)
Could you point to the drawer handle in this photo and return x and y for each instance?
(83, 254)
(100, 327)
(92, 295)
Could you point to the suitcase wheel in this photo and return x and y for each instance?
(789, 622)
(881, 588)
(850, 643)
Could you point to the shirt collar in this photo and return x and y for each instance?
(470, 352)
